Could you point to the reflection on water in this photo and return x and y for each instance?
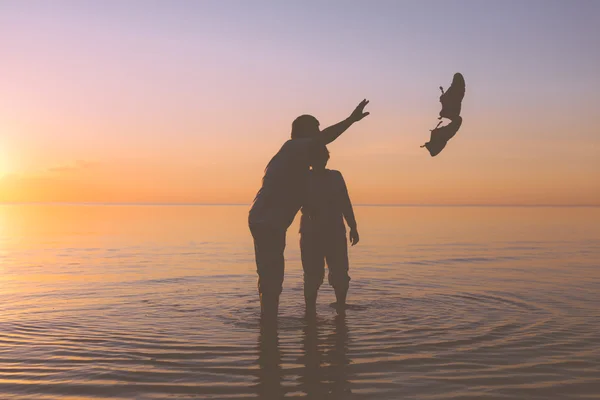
(160, 302)
(323, 371)
(270, 375)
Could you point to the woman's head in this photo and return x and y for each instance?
(305, 126)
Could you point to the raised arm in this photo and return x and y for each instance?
(331, 133)
(348, 212)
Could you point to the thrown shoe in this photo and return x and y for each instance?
(452, 99)
(440, 136)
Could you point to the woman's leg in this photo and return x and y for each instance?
(269, 245)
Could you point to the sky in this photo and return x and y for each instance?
(186, 101)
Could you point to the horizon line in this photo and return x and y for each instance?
(82, 203)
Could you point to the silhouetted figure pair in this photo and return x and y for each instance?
(323, 233)
(281, 196)
(451, 106)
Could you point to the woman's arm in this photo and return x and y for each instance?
(331, 133)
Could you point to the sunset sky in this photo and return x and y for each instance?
(186, 101)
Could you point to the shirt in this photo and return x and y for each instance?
(327, 202)
(283, 185)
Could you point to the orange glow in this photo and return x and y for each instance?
(194, 114)
(385, 169)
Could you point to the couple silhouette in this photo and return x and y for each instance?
(297, 179)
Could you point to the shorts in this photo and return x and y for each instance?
(318, 248)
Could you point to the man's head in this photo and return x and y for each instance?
(305, 126)
(319, 158)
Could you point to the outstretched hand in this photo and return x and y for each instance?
(358, 112)
(354, 238)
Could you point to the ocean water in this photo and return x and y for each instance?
(160, 302)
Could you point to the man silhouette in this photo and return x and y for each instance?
(323, 233)
(280, 198)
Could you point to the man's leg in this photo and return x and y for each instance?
(269, 245)
(338, 265)
(313, 264)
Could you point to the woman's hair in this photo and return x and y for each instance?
(304, 126)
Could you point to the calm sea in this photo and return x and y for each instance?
(159, 302)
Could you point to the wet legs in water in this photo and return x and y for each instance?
(311, 290)
(269, 306)
(315, 251)
(310, 300)
(269, 245)
(341, 291)
(338, 265)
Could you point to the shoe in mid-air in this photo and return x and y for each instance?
(441, 135)
(452, 98)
